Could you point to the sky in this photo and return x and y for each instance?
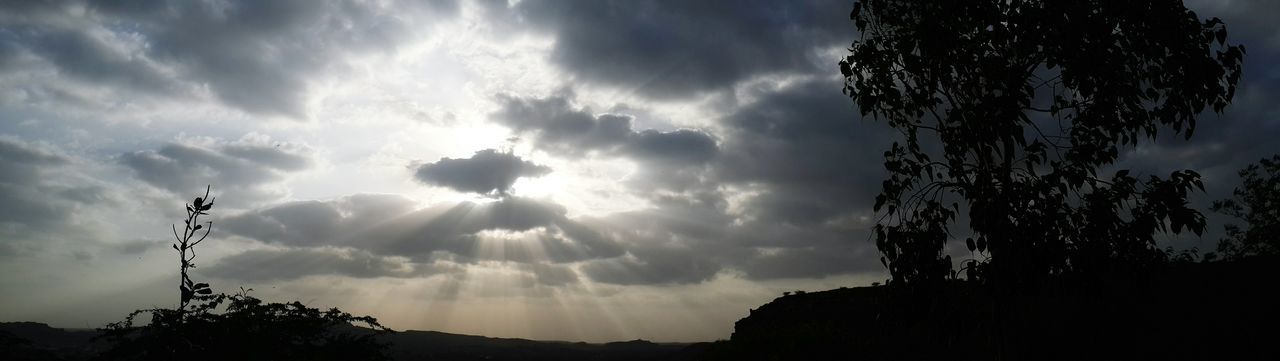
(557, 170)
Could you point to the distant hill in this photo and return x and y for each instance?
(37, 341)
(22, 341)
(431, 345)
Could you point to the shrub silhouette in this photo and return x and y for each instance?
(1257, 203)
(246, 328)
(1008, 109)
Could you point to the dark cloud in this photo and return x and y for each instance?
(772, 251)
(288, 264)
(92, 58)
(316, 223)
(245, 169)
(22, 161)
(809, 149)
(804, 163)
(654, 266)
(509, 229)
(670, 159)
(682, 146)
(1244, 24)
(36, 201)
(487, 172)
(692, 239)
(258, 56)
(512, 229)
(676, 49)
(556, 126)
(682, 239)
(805, 166)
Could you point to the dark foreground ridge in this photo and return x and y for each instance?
(1201, 311)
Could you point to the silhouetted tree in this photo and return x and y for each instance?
(246, 329)
(1257, 203)
(1008, 108)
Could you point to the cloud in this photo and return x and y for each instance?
(16, 153)
(692, 239)
(798, 160)
(800, 166)
(511, 229)
(807, 149)
(39, 197)
(812, 262)
(487, 172)
(259, 57)
(98, 57)
(23, 201)
(669, 159)
(1243, 22)
(680, 240)
(556, 126)
(771, 251)
(676, 160)
(288, 264)
(317, 223)
(248, 167)
(682, 146)
(552, 275)
(658, 266)
(678, 49)
(139, 246)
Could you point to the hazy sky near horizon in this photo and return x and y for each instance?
(571, 170)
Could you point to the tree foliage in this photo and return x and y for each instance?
(246, 328)
(1008, 109)
(1257, 203)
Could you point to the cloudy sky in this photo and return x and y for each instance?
(572, 170)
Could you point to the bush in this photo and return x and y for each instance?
(246, 329)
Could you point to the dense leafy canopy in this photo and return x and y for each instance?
(1257, 203)
(1009, 108)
